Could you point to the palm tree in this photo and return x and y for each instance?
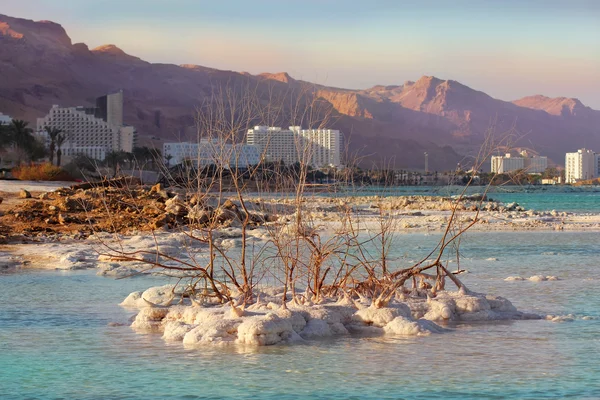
(52, 134)
(5, 136)
(60, 139)
(168, 158)
(114, 159)
(22, 135)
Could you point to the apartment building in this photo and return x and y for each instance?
(583, 164)
(316, 147)
(212, 152)
(510, 163)
(93, 131)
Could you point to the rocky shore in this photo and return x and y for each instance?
(79, 211)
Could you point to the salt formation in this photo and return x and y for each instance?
(534, 278)
(266, 322)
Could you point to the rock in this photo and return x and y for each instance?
(199, 214)
(162, 221)
(44, 196)
(62, 219)
(24, 194)
(175, 206)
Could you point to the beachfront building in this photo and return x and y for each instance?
(212, 152)
(582, 164)
(5, 119)
(92, 131)
(510, 163)
(315, 147)
(507, 163)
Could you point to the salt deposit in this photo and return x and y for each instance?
(534, 278)
(268, 323)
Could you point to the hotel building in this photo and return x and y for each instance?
(584, 164)
(510, 163)
(92, 131)
(316, 147)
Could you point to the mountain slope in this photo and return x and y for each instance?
(40, 66)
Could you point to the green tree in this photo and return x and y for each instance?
(21, 134)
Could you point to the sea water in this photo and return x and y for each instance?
(58, 339)
(581, 199)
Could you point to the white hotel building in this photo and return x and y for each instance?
(92, 131)
(316, 147)
(584, 164)
(510, 163)
(214, 152)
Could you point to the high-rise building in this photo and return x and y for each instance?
(315, 147)
(581, 165)
(92, 131)
(110, 108)
(510, 163)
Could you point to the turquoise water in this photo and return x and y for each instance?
(542, 198)
(56, 342)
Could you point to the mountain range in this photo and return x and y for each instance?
(40, 66)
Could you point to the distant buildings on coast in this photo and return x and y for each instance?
(215, 152)
(315, 147)
(510, 163)
(91, 131)
(582, 165)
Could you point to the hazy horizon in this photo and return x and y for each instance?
(508, 49)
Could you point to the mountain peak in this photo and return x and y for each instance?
(109, 49)
(279, 76)
(565, 106)
(114, 53)
(36, 33)
(428, 80)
